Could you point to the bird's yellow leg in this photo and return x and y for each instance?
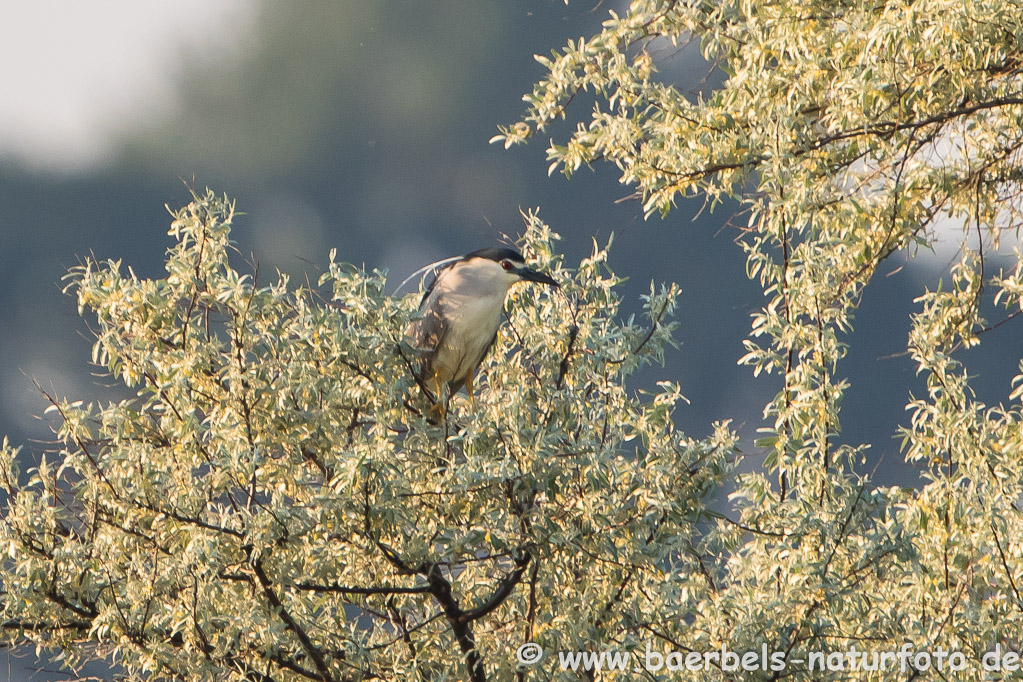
(437, 412)
(468, 388)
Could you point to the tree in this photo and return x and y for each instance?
(274, 505)
(849, 131)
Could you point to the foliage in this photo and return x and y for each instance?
(849, 131)
(273, 504)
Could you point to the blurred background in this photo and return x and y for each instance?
(364, 126)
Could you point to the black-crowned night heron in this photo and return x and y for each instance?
(461, 312)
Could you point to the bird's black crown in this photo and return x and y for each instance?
(496, 254)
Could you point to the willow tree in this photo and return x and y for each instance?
(274, 504)
(849, 131)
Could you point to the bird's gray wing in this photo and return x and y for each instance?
(428, 332)
(433, 282)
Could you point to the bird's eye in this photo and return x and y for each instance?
(506, 265)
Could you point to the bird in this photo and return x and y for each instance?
(460, 313)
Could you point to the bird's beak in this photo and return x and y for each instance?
(530, 275)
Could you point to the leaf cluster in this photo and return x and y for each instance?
(275, 505)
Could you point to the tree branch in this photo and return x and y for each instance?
(308, 646)
(440, 588)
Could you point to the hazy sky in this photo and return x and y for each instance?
(77, 75)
